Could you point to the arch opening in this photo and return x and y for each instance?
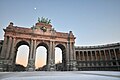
(41, 57)
(21, 56)
(60, 57)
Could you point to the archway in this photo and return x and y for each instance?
(61, 52)
(21, 56)
(41, 57)
(58, 55)
(40, 60)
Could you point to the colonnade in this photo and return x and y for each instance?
(105, 57)
(98, 55)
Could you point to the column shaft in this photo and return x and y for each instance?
(115, 54)
(87, 55)
(116, 57)
(100, 55)
(4, 47)
(110, 54)
(105, 54)
(53, 52)
(83, 56)
(8, 47)
(74, 55)
(31, 50)
(79, 56)
(67, 56)
(91, 56)
(67, 53)
(71, 52)
(12, 49)
(96, 56)
(34, 51)
(49, 56)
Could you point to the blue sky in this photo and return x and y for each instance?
(92, 21)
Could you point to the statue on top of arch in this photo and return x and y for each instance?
(42, 24)
(44, 20)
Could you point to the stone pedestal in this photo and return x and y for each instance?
(51, 66)
(6, 65)
(73, 65)
(1, 65)
(31, 65)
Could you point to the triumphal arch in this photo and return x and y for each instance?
(41, 34)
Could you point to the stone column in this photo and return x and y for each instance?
(8, 47)
(12, 49)
(87, 56)
(79, 56)
(67, 56)
(87, 64)
(83, 56)
(53, 52)
(70, 56)
(116, 58)
(74, 58)
(4, 47)
(96, 56)
(31, 50)
(53, 57)
(74, 54)
(100, 55)
(10, 57)
(110, 54)
(91, 55)
(71, 52)
(91, 58)
(105, 58)
(105, 54)
(115, 54)
(101, 59)
(49, 56)
(32, 53)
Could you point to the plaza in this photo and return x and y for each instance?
(66, 75)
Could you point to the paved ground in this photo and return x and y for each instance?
(70, 75)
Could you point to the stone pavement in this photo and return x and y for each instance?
(67, 75)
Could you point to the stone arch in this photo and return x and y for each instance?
(34, 37)
(44, 44)
(17, 45)
(63, 48)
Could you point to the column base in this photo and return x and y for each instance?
(30, 69)
(73, 65)
(51, 67)
(31, 65)
(6, 65)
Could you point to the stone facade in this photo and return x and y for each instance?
(104, 57)
(41, 34)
